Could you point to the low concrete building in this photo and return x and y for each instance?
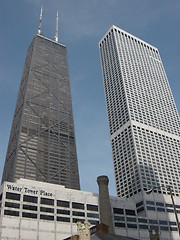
(33, 210)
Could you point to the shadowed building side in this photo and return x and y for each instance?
(42, 142)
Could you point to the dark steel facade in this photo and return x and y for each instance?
(42, 142)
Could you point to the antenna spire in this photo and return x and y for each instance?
(40, 20)
(56, 36)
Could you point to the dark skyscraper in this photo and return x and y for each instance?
(42, 141)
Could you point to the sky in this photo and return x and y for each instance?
(82, 24)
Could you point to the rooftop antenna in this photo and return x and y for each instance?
(56, 36)
(40, 20)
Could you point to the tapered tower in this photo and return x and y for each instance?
(42, 141)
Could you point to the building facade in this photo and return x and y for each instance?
(42, 143)
(37, 210)
(143, 118)
(32, 210)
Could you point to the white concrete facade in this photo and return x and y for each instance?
(36, 210)
(33, 210)
(143, 118)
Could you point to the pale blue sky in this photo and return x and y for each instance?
(82, 24)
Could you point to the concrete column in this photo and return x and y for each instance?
(104, 203)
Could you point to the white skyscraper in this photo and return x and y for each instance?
(143, 118)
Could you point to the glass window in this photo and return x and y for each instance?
(129, 225)
(142, 220)
(130, 212)
(143, 226)
(12, 205)
(151, 208)
(93, 222)
(118, 210)
(11, 213)
(172, 223)
(163, 222)
(63, 219)
(77, 205)
(169, 205)
(139, 204)
(75, 220)
(140, 209)
(13, 196)
(47, 217)
(160, 209)
(92, 207)
(130, 219)
(119, 218)
(81, 214)
(150, 202)
(153, 227)
(159, 204)
(47, 201)
(45, 209)
(63, 211)
(93, 215)
(164, 228)
(61, 203)
(169, 210)
(153, 221)
(29, 215)
(119, 224)
(32, 199)
(173, 229)
(29, 207)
